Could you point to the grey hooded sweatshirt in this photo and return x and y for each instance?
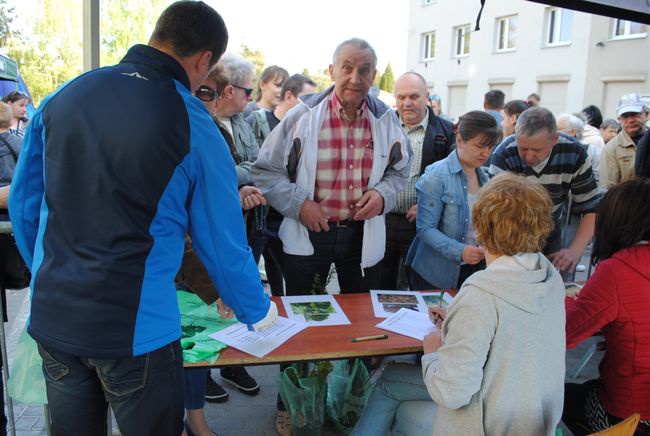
(500, 369)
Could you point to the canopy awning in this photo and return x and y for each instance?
(631, 10)
(8, 69)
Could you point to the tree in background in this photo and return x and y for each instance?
(6, 21)
(257, 58)
(387, 81)
(52, 53)
(124, 23)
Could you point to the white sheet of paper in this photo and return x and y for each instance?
(386, 303)
(433, 299)
(315, 310)
(262, 343)
(408, 323)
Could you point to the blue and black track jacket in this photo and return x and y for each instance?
(116, 165)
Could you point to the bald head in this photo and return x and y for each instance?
(411, 98)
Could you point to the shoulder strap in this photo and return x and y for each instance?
(11, 149)
(263, 123)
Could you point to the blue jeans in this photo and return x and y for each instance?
(341, 245)
(145, 392)
(400, 391)
(195, 379)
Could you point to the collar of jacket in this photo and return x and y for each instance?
(376, 107)
(156, 59)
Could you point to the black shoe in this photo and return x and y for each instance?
(214, 393)
(238, 377)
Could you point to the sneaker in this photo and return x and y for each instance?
(580, 268)
(214, 393)
(283, 423)
(238, 377)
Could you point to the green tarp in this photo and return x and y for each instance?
(8, 69)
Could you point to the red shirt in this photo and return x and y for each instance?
(344, 161)
(616, 299)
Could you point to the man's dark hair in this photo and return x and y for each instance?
(294, 84)
(515, 107)
(494, 99)
(623, 218)
(189, 27)
(593, 115)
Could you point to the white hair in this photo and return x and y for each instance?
(236, 68)
(575, 123)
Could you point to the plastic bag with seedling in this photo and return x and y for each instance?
(348, 388)
(303, 393)
(318, 285)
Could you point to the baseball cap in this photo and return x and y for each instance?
(630, 103)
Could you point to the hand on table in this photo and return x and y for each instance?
(369, 206)
(313, 217)
(432, 342)
(250, 197)
(412, 213)
(565, 260)
(225, 311)
(472, 255)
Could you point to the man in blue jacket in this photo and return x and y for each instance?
(101, 200)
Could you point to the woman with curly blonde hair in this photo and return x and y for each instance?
(496, 366)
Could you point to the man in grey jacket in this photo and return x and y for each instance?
(333, 168)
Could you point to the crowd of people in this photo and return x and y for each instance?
(201, 181)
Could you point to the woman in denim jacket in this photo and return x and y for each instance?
(444, 252)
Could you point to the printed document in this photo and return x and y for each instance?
(409, 323)
(261, 343)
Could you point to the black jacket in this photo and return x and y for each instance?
(439, 140)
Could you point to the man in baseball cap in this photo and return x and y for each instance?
(617, 162)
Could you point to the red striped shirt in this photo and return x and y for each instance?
(344, 161)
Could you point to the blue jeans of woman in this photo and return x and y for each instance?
(145, 392)
(401, 385)
(195, 388)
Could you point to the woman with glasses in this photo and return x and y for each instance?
(18, 102)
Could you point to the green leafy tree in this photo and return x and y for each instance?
(322, 78)
(52, 54)
(124, 23)
(387, 81)
(6, 20)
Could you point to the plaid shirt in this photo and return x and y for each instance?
(408, 197)
(344, 161)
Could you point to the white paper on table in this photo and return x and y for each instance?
(261, 343)
(408, 323)
(326, 312)
(386, 303)
(433, 298)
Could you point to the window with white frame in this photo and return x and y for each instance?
(558, 26)
(428, 46)
(627, 29)
(506, 33)
(461, 41)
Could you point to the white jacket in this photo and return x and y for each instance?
(285, 170)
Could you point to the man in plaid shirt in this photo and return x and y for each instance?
(333, 168)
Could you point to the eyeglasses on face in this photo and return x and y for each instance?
(205, 93)
(247, 91)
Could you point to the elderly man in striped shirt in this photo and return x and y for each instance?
(333, 168)
(560, 164)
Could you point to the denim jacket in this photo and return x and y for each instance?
(442, 222)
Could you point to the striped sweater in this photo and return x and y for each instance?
(567, 171)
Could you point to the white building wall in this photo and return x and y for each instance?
(572, 75)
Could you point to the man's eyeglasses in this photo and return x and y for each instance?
(205, 93)
(247, 91)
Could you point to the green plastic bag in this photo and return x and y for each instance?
(348, 388)
(304, 397)
(26, 382)
(198, 322)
